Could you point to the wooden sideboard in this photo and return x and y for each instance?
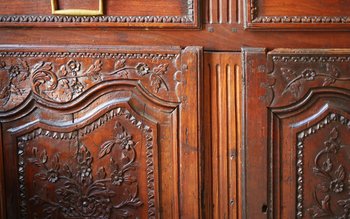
(175, 109)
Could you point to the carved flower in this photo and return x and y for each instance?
(14, 71)
(336, 186)
(85, 171)
(327, 165)
(73, 65)
(117, 178)
(142, 69)
(52, 176)
(308, 74)
(125, 140)
(78, 87)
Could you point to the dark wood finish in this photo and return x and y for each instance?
(131, 13)
(66, 75)
(299, 100)
(222, 73)
(100, 132)
(297, 14)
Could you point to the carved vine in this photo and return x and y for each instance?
(333, 179)
(295, 81)
(69, 80)
(16, 74)
(65, 84)
(81, 193)
(328, 169)
(143, 70)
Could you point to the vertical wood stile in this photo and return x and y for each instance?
(221, 142)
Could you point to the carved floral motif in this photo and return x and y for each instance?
(334, 176)
(295, 81)
(65, 82)
(17, 73)
(79, 191)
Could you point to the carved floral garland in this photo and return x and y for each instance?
(79, 193)
(70, 80)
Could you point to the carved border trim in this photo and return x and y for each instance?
(188, 18)
(331, 117)
(255, 18)
(95, 55)
(148, 134)
(306, 58)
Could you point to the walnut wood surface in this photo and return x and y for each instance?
(222, 72)
(299, 100)
(138, 74)
(100, 132)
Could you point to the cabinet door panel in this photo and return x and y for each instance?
(100, 132)
(301, 107)
(132, 13)
(288, 14)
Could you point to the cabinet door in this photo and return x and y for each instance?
(99, 132)
(106, 13)
(302, 14)
(297, 126)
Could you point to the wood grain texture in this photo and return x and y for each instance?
(221, 11)
(88, 140)
(132, 13)
(222, 150)
(297, 15)
(299, 102)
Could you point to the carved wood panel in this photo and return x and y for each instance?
(132, 13)
(222, 79)
(304, 102)
(100, 132)
(297, 14)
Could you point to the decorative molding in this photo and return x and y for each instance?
(332, 145)
(64, 82)
(53, 174)
(94, 55)
(255, 18)
(188, 18)
(296, 74)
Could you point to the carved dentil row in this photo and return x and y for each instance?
(54, 171)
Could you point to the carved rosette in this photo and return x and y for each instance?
(331, 188)
(62, 77)
(82, 181)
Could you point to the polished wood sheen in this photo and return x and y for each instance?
(100, 132)
(222, 79)
(230, 109)
(303, 97)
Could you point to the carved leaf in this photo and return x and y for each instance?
(106, 148)
(327, 165)
(326, 203)
(94, 70)
(340, 173)
(160, 69)
(101, 173)
(119, 64)
(43, 156)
